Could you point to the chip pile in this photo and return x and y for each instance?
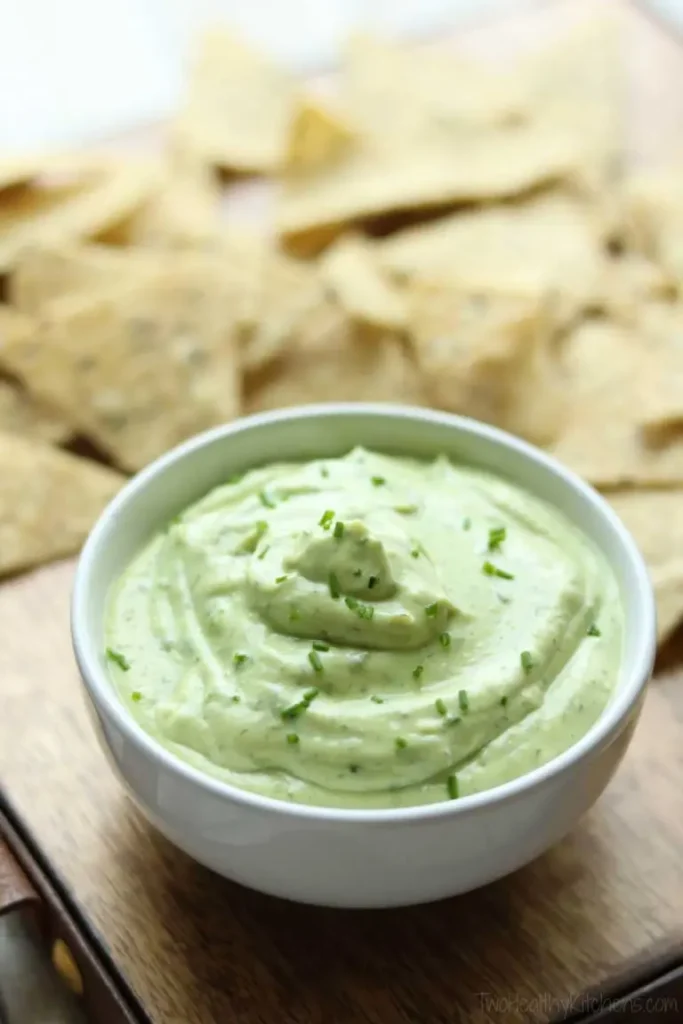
(443, 234)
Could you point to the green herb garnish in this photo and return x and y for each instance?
(445, 639)
(463, 700)
(503, 701)
(357, 572)
(324, 472)
(262, 554)
(496, 537)
(405, 510)
(333, 583)
(593, 631)
(119, 659)
(417, 671)
(441, 707)
(365, 611)
(266, 500)
(136, 696)
(372, 582)
(378, 481)
(235, 478)
(489, 569)
(353, 768)
(432, 610)
(318, 645)
(281, 579)
(239, 659)
(236, 698)
(466, 523)
(315, 661)
(338, 531)
(292, 738)
(326, 519)
(351, 602)
(452, 787)
(526, 660)
(415, 553)
(294, 614)
(294, 710)
(400, 743)
(377, 700)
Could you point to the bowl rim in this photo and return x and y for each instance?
(105, 699)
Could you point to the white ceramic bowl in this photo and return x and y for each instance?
(355, 858)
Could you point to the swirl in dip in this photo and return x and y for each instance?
(366, 631)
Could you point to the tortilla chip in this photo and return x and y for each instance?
(550, 242)
(628, 282)
(58, 214)
(183, 212)
(316, 136)
(137, 369)
(21, 414)
(351, 269)
(488, 355)
(652, 210)
(579, 86)
(654, 518)
(334, 360)
(238, 108)
(49, 500)
(609, 380)
(407, 91)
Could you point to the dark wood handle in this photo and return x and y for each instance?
(15, 888)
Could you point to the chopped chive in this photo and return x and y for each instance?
(298, 708)
(489, 569)
(315, 661)
(452, 787)
(454, 720)
(119, 659)
(235, 478)
(357, 572)
(365, 611)
(417, 671)
(466, 523)
(318, 645)
(281, 579)
(526, 660)
(239, 659)
(353, 768)
(351, 602)
(441, 707)
(445, 639)
(262, 554)
(378, 481)
(266, 500)
(496, 537)
(326, 519)
(415, 553)
(504, 701)
(333, 583)
(377, 700)
(405, 510)
(310, 694)
(400, 743)
(292, 738)
(338, 531)
(136, 696)
(593, 631)
(324, 472)
(236, 698)
(432, 609)
(294, 615)
(372, 582)
(463, 700)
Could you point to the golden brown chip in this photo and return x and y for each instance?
(609, 370)
(550, 242)
(49, 500)
(21, 414)
(182, 213)
(70, 210)
(654, 518)
(488, 355)
(138, 369)
(652, 212)
(351, 269)
(579, 86)
(628, 283)
(317, 135)
(238, 108)
(333, 360)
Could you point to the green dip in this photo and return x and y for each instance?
(366, 631)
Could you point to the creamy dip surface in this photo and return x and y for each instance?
(366, 631)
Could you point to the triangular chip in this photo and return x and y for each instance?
(609, 375)
(488, 355)
(333, 360)
(351, 269)
(21, 414)
(550, 242)
(654, 518)
(652, 211)
(238, 108)
(137, 369)
(49, 500)
(316, 136)
(579, 86)
(628, 283)
(81, 208)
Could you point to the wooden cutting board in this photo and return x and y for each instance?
(196, 949)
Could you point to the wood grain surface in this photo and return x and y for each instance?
(199, 950)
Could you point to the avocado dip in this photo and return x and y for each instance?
(366, 631)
